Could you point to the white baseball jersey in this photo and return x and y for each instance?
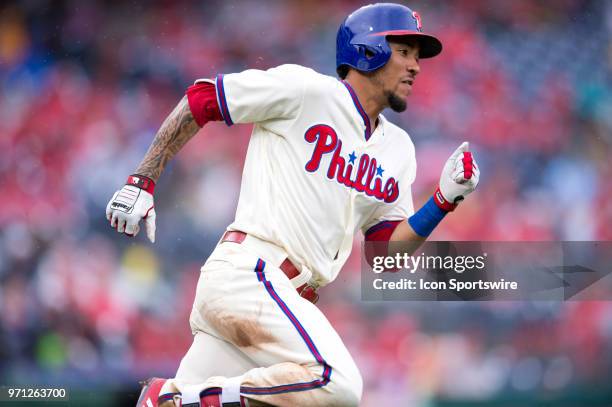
(314, 173)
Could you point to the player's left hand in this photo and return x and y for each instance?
(459, 178)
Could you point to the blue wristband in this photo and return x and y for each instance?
(425, 220)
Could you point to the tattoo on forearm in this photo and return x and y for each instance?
(178, 128)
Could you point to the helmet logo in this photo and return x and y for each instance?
(417, 19)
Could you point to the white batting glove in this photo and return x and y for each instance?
(132, 203)
(459, 178)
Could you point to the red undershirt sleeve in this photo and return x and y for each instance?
(203, 103)
(381, 232)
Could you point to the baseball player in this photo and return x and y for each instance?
(322, 163)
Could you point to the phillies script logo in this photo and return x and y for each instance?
(368, 178)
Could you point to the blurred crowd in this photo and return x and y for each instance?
(85, 85)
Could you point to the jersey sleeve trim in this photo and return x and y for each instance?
(222, 101)
(204, 80)
(203, 103)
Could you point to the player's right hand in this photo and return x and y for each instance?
(459, 178)
(132, 203)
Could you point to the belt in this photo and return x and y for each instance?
(305, 291)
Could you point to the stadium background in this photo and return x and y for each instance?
(85, 85)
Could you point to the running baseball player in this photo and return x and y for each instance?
(322, 163)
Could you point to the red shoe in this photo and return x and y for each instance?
(150, 392)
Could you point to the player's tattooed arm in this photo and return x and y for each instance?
(178, 128)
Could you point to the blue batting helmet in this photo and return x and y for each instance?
(362, 37)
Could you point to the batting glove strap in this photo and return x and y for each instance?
(442, 203)
(142, 182)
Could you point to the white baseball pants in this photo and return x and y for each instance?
(249, 321)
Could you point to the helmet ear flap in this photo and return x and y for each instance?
(366, 55)
(367, 52)
(372, 55)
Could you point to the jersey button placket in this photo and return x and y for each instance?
(377, 132)
(360, 147)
